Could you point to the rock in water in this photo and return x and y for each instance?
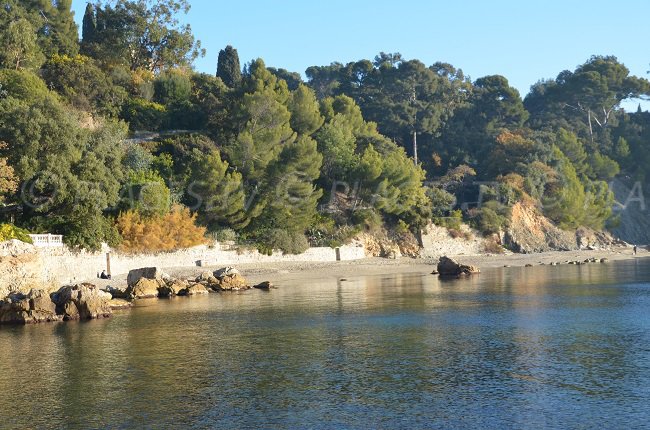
(194, 290)
(266, 285)
(450, 267)
(231, 283)
(143, 289)
(83, 301)
(35, 307)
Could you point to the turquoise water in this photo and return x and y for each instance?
(543, 347)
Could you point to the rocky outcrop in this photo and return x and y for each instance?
(153, 273)
(82, 301)
(231, 283)
(144, 288)
(229, 279)
(35, 307)
(450, 267)
(172, 287)
(529, 232)
(194, 290)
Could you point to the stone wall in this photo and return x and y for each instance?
(61, 266)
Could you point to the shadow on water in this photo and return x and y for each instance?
(552, 347)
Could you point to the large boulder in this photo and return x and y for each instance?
(145, 272)
(225, 271)
(116, 293)
(82, 301)
(233, 282)
(35, 307)
(194, 290)
(450, 267)
(144, 288)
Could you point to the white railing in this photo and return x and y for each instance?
(47, 240)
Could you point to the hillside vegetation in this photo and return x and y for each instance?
(115, 138)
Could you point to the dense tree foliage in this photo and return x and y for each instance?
(115, 138)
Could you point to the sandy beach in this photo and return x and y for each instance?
(283, 272)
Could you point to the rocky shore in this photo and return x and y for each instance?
(99, 298)
(87, 301)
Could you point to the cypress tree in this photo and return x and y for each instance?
(89, 26)
(228, 68)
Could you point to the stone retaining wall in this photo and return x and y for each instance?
(68, 267)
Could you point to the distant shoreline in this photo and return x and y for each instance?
(280, 272)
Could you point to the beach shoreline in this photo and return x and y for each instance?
(285, 272)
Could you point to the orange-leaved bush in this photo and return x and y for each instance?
(175, 230)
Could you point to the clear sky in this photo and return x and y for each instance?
(523, 40)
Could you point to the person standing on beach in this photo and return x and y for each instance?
(634, 249)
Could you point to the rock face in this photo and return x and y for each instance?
(531, 232)
(83, 301)
(144, 288)
(35, 307)
(450, 267)
(146, 272)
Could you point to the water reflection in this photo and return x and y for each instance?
(538, 347)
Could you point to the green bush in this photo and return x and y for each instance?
(491, 218)
(453, 221)
(224, 235)
(286, 241)
(368, 219)
(10, 231)
(142, 114)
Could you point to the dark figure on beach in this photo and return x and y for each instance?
(105, 275)
(634, 249)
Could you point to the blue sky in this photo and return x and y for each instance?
(521, 40)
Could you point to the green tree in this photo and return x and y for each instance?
(228, 68)
(89, 27)
(217, 193)
(305, 112)
(140, 34)
(69, 175)
(265, 128)
(83, 84)
(21, 50)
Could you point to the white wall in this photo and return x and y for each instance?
(68, 267)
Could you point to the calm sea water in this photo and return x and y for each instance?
(544, 347)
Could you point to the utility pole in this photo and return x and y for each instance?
(415, 147)
(415, 119)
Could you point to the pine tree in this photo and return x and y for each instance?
(228, 68)
(305, 114)
(219, 193)
(292, 195)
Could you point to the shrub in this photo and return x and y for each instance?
(10, 231)
(491, 246)
(491, 218)
(224, 235)
(368, 219)
(289, 242)
(175, 230)
(452, 222)
(142, 114)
